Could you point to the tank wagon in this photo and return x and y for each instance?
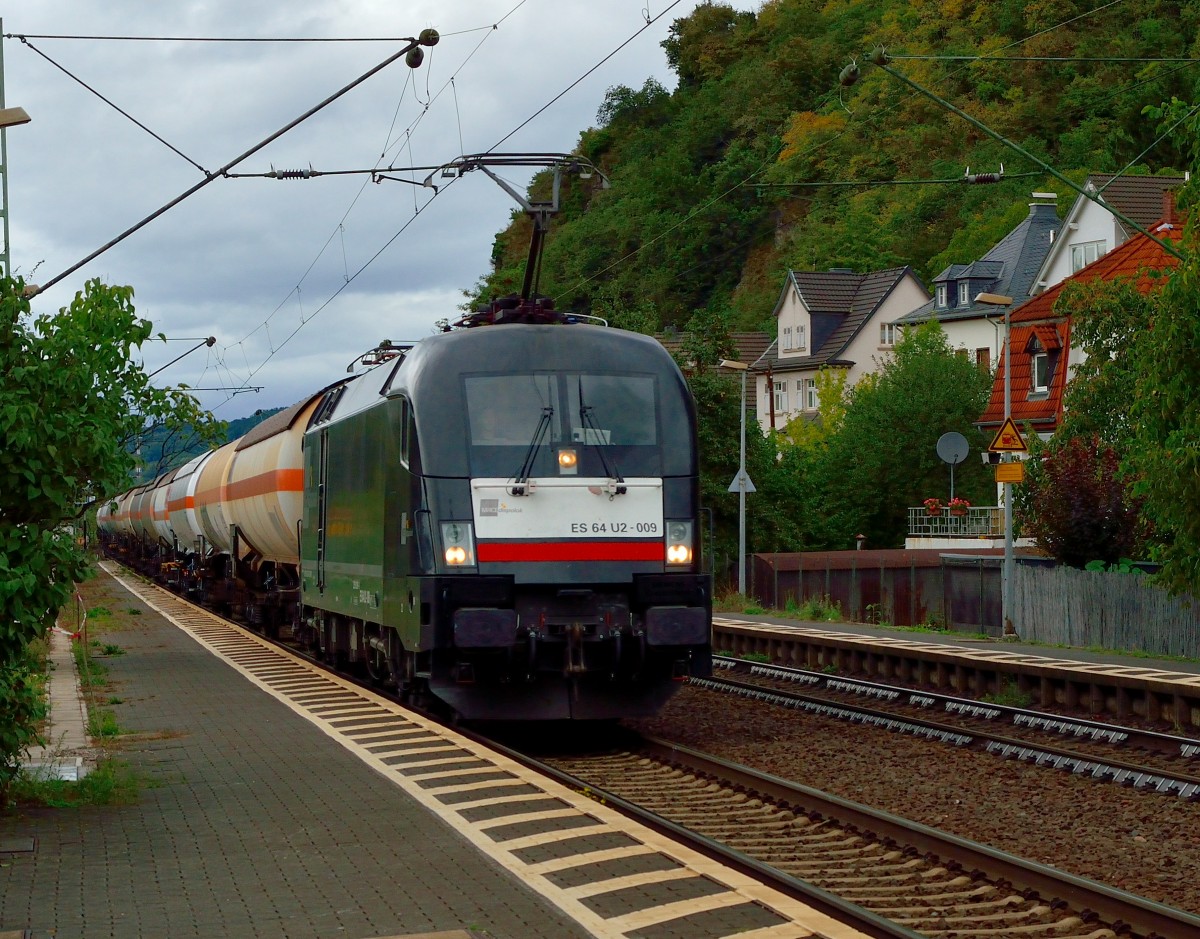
(504, 516)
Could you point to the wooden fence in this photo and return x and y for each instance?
(1065, 606)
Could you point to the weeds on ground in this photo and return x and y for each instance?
(102, 724)
(735, 602)
(112, 782)
(822, 609)
(1009, 695)
(92, 674)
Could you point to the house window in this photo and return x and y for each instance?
(1084, 254)
(1041, 367)
(801, 337)
(787, 339)
(983, 358)
(941, 296)
(964, 294)
(810, 394)
(1041, 371)
(781, 405)
(887, 334)
(961, 353)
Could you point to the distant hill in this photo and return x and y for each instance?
(178, 451)
(759, 161)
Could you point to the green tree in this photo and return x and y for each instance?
(882, 458)
(71, 399)
(1107, 317)
(1164, 412)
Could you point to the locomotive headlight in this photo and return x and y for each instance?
(568, 462)
(679, 542)
(458, 543)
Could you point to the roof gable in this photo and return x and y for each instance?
(1130, 259)
(841, 302)
(1138, 198)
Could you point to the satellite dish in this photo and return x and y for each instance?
(952, 447)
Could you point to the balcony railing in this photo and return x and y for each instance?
(983, 522)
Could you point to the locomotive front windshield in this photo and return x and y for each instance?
(612, 419)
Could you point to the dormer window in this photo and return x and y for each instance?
(941, 296)
(801, 337)
(964, 293)
(1041, 364)
(787, 339)
(1040, 370)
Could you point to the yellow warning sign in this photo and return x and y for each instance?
(1008, 439)
(1010, 472)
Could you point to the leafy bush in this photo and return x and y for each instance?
(22, 708)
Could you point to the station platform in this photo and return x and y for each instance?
(971, 642)
(250, 822)
(1112, 686)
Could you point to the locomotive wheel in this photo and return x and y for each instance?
(378, 666)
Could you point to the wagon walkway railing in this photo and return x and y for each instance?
(979, 522)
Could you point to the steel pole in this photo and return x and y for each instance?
(742, 498)
(1006, 573)
(6, 260)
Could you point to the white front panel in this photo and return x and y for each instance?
(565, 508)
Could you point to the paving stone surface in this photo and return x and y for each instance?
(251, 823)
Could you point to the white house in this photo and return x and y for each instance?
(829, 319)
(1090, 231)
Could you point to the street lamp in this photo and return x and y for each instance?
(1006, 571)
(741, 482)
(9, 117)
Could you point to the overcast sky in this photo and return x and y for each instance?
(281, 271)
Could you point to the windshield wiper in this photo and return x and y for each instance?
(519, 487)
(610, 469)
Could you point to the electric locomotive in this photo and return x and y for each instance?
(507, 517)
(504, 515)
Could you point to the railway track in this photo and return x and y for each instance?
(927, 881)
(858, 871)
(614, 875)
(1145, 760)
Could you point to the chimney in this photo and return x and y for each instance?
(1168, 207)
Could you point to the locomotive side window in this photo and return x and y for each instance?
(404, 430)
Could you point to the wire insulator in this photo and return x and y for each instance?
(291, 174)
(984, 177)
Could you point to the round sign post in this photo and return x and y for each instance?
(952, 448)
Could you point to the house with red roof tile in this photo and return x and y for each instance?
(829, 319)
(1043, 358)
(1090, 230)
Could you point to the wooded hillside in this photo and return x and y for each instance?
(760, 161)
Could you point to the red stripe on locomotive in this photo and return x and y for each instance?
(570, 551)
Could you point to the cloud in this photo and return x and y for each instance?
(312, 254)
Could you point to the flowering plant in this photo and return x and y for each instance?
(957, 503)
(933, 504)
